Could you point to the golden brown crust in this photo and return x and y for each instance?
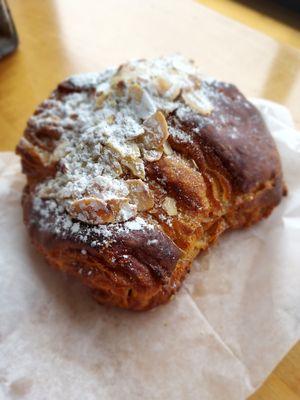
(223, 172)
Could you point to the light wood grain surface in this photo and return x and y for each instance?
(59, 38)
(267, 16)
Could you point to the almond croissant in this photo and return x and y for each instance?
(133, 171)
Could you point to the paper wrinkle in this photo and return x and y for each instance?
(236, 316)
(248, 382)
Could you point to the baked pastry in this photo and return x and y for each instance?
(133, 171)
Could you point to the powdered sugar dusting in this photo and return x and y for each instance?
(50, 217)
(105, 136)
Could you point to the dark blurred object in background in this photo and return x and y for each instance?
(293, 4)
(286, 11)
(265, 5)
(8, 33)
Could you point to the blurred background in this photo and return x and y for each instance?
(230, 39)
(277, 18)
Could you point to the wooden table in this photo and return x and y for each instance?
(59, 38)
(280, 22)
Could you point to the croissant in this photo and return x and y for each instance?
(133, 171)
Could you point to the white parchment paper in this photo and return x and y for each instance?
(236, 316)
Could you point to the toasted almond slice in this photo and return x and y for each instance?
(133, 150)
(92, 211)
(173, 92)
(158, 123)
(119, 87)
(198, 102)
(169, 205)
(127, 73)
(115, 147)
(110, 119)
(152, 154)
(102, 94)
(157, 131)
(95, 211)
(100, 99)
(38, 155)
(167, 149)
(140, 194)
(136, 166)
(163, 85)
(116, 167)
(142, 102)
(127, 211)
(60, 151)
(194, 164)
(196, 80)
(112, 162)
(136, 92)
(129, 150)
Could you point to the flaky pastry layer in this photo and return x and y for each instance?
(131, 173)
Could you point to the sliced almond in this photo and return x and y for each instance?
(133, 150)
(128, 73)
(116, 167)
(60, 151)
(196, 80)
(173, 92)
(122, 78)
(115, 147)
(92, 211)
(142, 103)
(136, 92)
(37, 155)
(152, 155)
(157, 128)
(127, 154)
(136, 166)
(157, 122)
(198, 102)
(95, 211)
(194, 164)
(140, 194)
(128, 150)
(169, 205)
(167, 149)
(112, 162)
(119, 87)
(110, 119)
(127, 211)
(163, 85)
(102, 94)
(101, 99)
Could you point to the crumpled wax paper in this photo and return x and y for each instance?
(236, 316)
